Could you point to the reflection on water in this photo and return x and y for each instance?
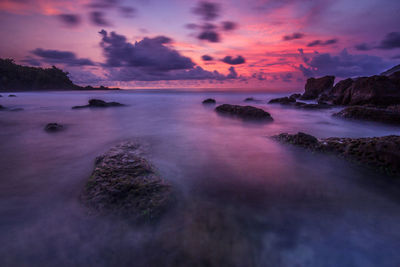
(243, 199)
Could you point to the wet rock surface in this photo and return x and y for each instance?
(53, 127)
(314, 87)
(97, 103)
(283, 100)
(380, 153)
(388, 115)
(244, 112)
(209, 101)
(125, 184)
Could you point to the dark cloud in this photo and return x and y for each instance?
(97, 18)
(322, 43)
(104, 4)
(233, 61)
(61, 57)
(151, 59)
(391, 41)
(70, 19)
(207, 58)
(362, 47)
(342, 65)
(296, 35)
(211, 36)
(286, 77)
(229, 25)
(192, 26)
(127, 11)
(207, 10)
(261, 76)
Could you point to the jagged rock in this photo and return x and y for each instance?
(125, 184)
(338, 93)
(388, 115)
(314, 87)
(295, 96)
(53, 127)
(244, 112)
(381, 153)
(391, 71)
(209, 101)
(97, 103)
(282, 100)
(303, 105)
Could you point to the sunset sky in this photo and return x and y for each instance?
(253, 44)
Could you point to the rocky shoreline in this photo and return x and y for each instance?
(380, 153)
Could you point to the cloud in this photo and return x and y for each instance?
(391, 41)
(207, 58)
(229, 25)
(296, 35)
(209, 35)
(363, 47)
(72, 20)
(97, 18)
(342, 65)
(127, 11)
(104, 4)
(233, 61)
(322, 43)
(32, 61)
(151, 59)
(60, 57)
(207, 10)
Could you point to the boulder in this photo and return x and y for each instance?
(209, 101)
(244, 112)
(282, 100)
(53, 127)
(380, 153)
(384, 115)
(249, 99)
(295, 96)
(97, 103)
(12, 96)
(125, 184)
(314, 87)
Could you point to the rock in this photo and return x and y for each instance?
(395, 78)
(380, 153)
(388, 115)
(391, 71)
(12, 96)
(2, 108)
(249, 99)
(244, 112)
(282, 100)
(295, 96)
(1, 96)
(338, 93)
(314, 87)
(125, 184)
(97, 103)
(303, 105)
(53, 127)
(209, 101)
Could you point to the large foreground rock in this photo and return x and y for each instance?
(314, 87)
(97, 103)
(385, 115)
(124, 183)
(244, 112)
(381, 153)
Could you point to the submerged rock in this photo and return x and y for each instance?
(388, 115)
(282, 100)
(314, 87)
(12, 96)
(249, 99)
(2, 108)
(124, 183)
(97, 103)
(244, 112)
(53, 127)
(381, 153)
(209, 101)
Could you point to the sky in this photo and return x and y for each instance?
(269, 45)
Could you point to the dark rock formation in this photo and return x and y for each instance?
(97, 103)
(295, 96)
(12, 96)
(125, 184)
(2, 108)
(388, 115)
(209, 101)
(244, 112)
(249, 99)
(53, 127)
(303, 105)
(381, 153)
(282, 100)
(314, 87)
(1, 96)
(391, 71)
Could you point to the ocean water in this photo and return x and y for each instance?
(242, 198)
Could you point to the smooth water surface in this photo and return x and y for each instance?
(242, 198)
